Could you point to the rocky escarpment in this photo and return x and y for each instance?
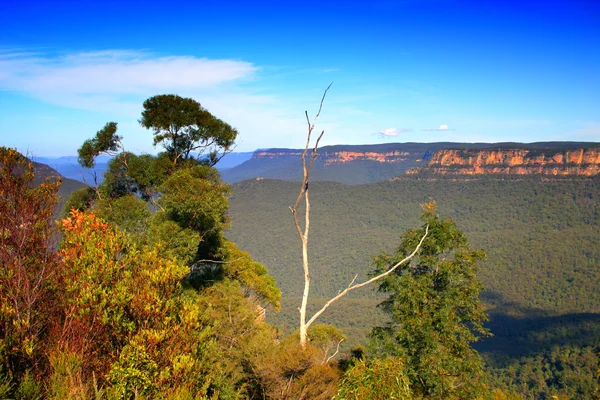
(555, 162)
(341, 157)
(355, 164)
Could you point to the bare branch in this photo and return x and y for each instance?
(322, 100)
(307, 121)
(336, 351)
(375, 278)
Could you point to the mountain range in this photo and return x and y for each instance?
(356, 164)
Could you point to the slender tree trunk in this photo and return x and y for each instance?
(303, 235)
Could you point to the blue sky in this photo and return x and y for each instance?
(429, 70)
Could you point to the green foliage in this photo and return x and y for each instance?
(148, 172)
(562, 372)
(326, 338)
(105, 141)
(435, 310)
(542, 237)
(173, 202)
(80, 200)
(5, 386)
(240, 335)
(171, 240)
(181, 125)
(150, 337)
(135, 292)
(29, 388)
(128, 212)
(195, 198)
(377, 379)
(111, 287)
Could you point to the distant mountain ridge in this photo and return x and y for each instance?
(355, 164)
(68, 186)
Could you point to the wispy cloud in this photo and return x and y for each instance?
(90, 79)
(440, 128)
(393, 132)
(116, 72)
(116, 82)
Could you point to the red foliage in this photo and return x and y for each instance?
(26, 260)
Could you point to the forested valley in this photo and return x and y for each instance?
(541, 236)
(164, 282)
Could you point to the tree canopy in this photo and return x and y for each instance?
(435, 311)
(106, 141)
(182, 126)
(180, 207)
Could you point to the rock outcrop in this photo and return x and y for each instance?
(578, 162)
(341, 157)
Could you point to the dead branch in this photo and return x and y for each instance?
(336, 352)
(375, 278)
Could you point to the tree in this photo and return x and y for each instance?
(188, 194)
(182, 126)
(378, 379)
(303, 231)
(26, 263)
(188, 210)
(106, 141)
(435, 311)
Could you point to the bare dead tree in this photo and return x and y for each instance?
(303, 232)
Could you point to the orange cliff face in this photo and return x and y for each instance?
(272, 154)
(582, 162)
(340, 157)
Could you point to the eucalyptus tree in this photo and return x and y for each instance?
(182, 126)
(174, 201)
(435, 311)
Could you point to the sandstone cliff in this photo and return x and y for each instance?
(580, 162)
(341, 157)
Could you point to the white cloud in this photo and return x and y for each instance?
(442, 127)
(393, 132)
(389, 132)
(114, 81)
(117, 82)
(115, 72)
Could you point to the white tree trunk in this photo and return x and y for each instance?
(303, 234)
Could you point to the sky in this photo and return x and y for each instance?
(402, 71)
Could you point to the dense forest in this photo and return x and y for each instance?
(144, 287)
(542, 238)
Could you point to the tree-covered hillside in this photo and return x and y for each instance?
(542, 236)
(541, 276)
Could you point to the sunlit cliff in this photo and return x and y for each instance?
(580, 162)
